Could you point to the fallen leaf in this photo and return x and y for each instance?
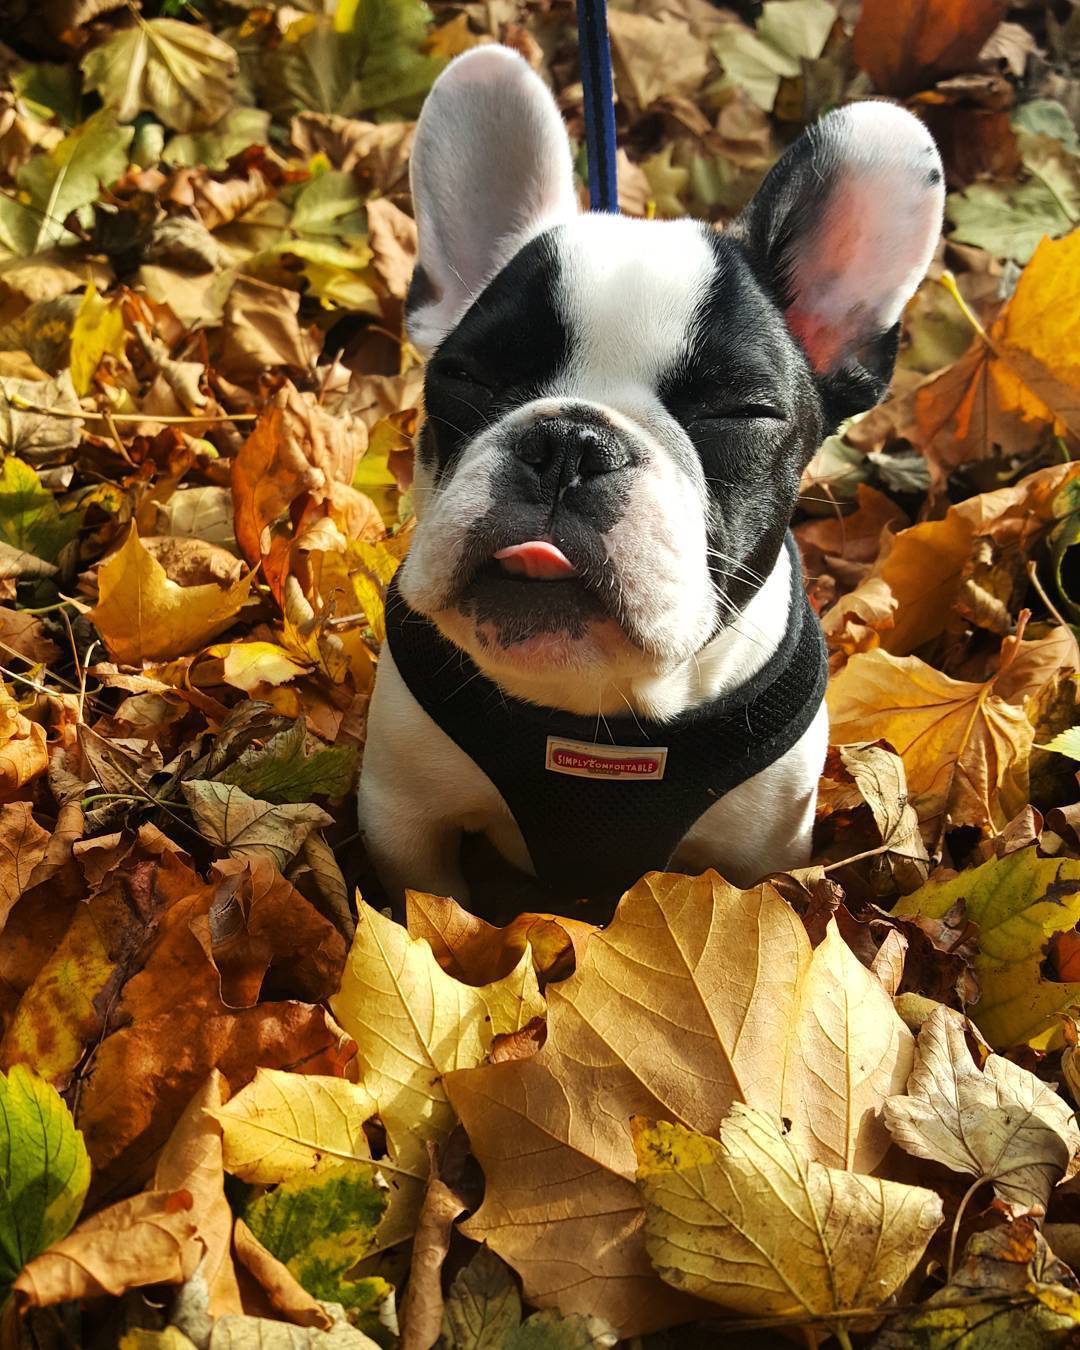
(191, 1162)
(282, 770)
(44, 1171)
(413, 1024)
(1011, 1290)
(285, 1124)
(483, 1307)
(280, 1285)
(68, 179)
(421, 1313)
(906, 46)
(265, 939)
(671, 1010)
(29, 425)
(30, 519)
(748, 1222)
(179, 72)
(1018, 901)
(477, 952)
(143, 616)
(392, 235)
(964, 747)
(1000, 1123)
(246, 828)
(320, 1225)
(259, 1333)
(22, 846)
(149, 1239)
(98, 331)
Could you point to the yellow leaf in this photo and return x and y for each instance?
(748, 1222)
(925, 566)
(696, 996)
(965, 748)
(1001, 1123)
(283, 1124)
(143, 616)
(413, 1023)
(98, 331)
(247, 665)
(1019, 901)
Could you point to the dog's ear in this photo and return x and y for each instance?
(843, 229)
(491, 167)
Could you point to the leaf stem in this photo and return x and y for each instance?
(949, 282)
(979, 1181)
(842, 1338)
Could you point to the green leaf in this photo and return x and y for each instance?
(1019, 902)
(1046, 117)
(49, 90)
(1065, 743)
(44, 1170)
(280, 771)
(330, 206)
(788, 32)
(483, 1306)
(238, 129)
(320, 1224)
(68, 179)
(30, 519)
(181, 73)
(1009, 221)
(394, 69)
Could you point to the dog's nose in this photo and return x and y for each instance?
(578, 448)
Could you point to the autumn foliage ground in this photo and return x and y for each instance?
(239, 1106)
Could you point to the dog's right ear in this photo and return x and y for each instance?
(491, 167)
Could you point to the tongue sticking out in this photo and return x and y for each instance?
(537, 559)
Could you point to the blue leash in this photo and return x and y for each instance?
(599, 104)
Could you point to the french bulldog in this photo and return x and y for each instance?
(600, 652)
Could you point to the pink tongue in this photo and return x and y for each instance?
(536, 559)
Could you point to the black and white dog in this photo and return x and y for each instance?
(600, 654)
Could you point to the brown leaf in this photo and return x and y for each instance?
(263, 330)
(265, 938)
(907, 45)
(285, 1292)
(422, 1306)
(191, 1162)
(476, 952)
(392, 236)
(149, 1239)
(143, 1075)
(22, 848)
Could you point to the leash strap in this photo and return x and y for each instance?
(599, 104)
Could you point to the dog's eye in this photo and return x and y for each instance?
(458, 374)
(743, 412)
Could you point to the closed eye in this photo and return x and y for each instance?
(459, 374)
(743, 412)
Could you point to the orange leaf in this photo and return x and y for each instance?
(904, 45)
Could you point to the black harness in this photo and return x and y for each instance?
(597, 814)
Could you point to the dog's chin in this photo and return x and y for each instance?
(514, 626)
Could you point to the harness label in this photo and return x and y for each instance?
(582, 759)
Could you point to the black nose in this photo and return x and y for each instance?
(578, 449)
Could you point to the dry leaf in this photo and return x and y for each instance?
(1000, 1123)
(191, 1161)
(748, 1222)
(149, 1239)
(675, 1008)
(143, 616)
(413, 1024)
(285, 1123)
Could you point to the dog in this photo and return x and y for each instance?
(600, 653)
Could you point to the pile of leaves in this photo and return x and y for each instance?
(239, 1106)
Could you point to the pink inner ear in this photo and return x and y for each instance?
(853, 273)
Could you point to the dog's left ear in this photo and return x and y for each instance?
(490, 169)
(843, 229)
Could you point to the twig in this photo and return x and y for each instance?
(22, 405)
(1033, 577)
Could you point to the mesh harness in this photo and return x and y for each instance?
(597, 814)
